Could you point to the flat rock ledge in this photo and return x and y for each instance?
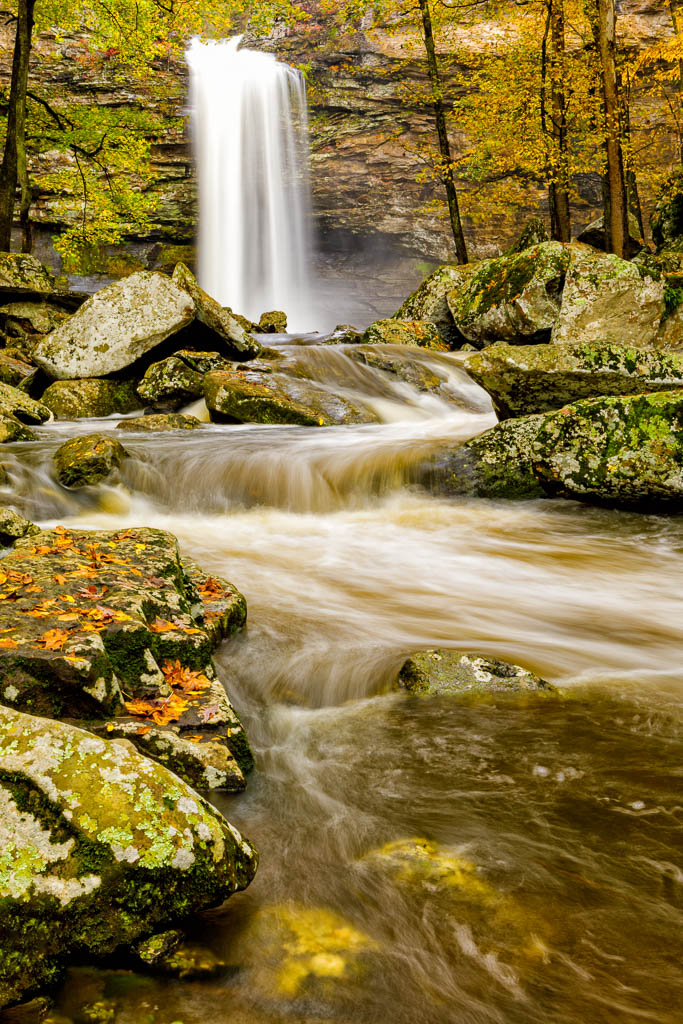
(114, 632)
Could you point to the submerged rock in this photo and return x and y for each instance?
(608, 300)
(256, 396)
(169, 953)
(99, 846)
(170, 384)
(429, 302)
(158, 422)
(417, 374)
(445, 672)
(274, 322)
(524, 379)
(87, 460)
(514, 298)
(90, 398)
(218, 320)
(422, 333)
(13, 526)
(621, 451)
(115, 327)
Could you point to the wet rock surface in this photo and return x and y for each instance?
(422, 333)
(537, 378)
(159, 422)
(218, 320)
(17, 405)
(90, 398)
(443, 672)
(170, 384)
(13, 526)
(87, 460)
(99, 847)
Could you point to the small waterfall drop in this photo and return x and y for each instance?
(250, 136)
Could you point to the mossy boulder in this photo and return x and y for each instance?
(273, 322)
(87, 460)
(95, 624)
(115, 327)
(217, 319)
(16, 404)
(257, 396)
(13, 526)
(99, 847)
(170, 384)
(21, 271)
(621, 451)
(11, 429)
(16, 371)
(666, 219)
(159, 422)
(533, 233)
(514, 298)
(496, 464)
(445, 672)
(525, 379)
(428, 302)
(90, 398)
(607, 299)
(422, 333)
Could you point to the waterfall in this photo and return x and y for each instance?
(250, 139)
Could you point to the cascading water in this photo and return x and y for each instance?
(250, 137)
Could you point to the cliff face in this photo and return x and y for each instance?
(368, 197)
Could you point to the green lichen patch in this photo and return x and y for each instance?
(428, 302)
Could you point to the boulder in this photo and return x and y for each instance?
(99, 846)
(115, 327)
(15, 371)
(534, 232)
(446, 672)
(417, 374)
(666, 220)
(216, 318)
(607, 299)
(496, 464)
(170, 384)
(17, 405)
(594, 235)
(13, 526)
(524, 379)
(90, 398)
(169, 953)
(274, 322)
(422, 333)
(620, 451)
(12, 430)
(25, 323)
(19, 270)
(159, 422)
(428, 302)
(513, 298)
(87, 460)
(257, 396)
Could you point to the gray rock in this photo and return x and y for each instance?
(19, 270)
(17, 405)
(446, 672)
(422, 333)
(99, 846)
(170, 384)
(217, 318)
(428, 302)
(525, 379)
(115, 327)
(273, 322)
(13, 526)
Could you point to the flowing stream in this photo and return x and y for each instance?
(558, 819)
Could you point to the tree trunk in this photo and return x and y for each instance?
(560, 184)
(676, 8)
(13, 170)
(603, 21)
(444, 145)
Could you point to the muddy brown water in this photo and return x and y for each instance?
(555, 886)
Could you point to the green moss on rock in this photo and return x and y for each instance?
(446, 672)
(87, 460)
(90, 398)
(422, 333)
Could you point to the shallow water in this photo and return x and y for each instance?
(560, 818)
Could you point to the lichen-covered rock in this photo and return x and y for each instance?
(524, 379)
(158, 422)
(89, 619)
(17, 404)
(217, 318)
(273, 322)
(621, 451)
(513, 298)
(496, 464)
(256, 396)
(666, 219)
(12, 430)
(13, 526)
(422, 333)
(429, 302)
(87, 460)
(115, 327)
(16, 371)
(170, 384)
(607, 299)
(444, 672)
(99, 846)
(534, 232)
(90, 398)
(19, 270)
(30, 320)
(594, 235)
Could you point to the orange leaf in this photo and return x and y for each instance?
(162, 626)
(8, 643)
(59, 578)
(54, 639)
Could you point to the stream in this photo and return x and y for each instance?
(560, 818)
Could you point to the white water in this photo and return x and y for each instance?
(250, 137)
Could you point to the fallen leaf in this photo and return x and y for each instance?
(8, 643)
(54, 639)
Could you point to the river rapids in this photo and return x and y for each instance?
(560, 818)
